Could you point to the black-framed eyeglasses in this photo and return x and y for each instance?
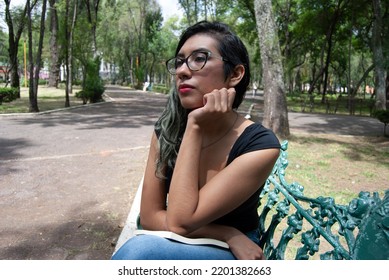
(195, 61)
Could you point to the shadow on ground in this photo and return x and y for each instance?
(91, 236)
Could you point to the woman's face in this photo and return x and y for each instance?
(193, 85)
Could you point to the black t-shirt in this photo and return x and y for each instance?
(255, 137)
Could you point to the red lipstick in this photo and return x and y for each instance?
(184, 88)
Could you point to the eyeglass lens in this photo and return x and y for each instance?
(195, 62)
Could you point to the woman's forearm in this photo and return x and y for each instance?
(184, 188)
(215, 231)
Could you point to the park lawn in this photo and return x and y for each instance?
(338, 166)
(48, 99)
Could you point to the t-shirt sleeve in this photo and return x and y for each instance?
(255, 137)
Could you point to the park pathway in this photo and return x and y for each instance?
(67, 178)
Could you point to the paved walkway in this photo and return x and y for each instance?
(335, 124)
(67, 178)
(329, 124)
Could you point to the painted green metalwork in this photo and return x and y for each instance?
(359, 230)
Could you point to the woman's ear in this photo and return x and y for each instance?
(237, 75)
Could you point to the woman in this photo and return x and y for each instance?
(210, 160)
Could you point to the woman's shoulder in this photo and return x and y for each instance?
(254, 137)
(256, 131)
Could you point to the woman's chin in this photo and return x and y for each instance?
(190, 105)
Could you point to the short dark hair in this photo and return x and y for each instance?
(230, 47)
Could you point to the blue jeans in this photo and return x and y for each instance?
(150, 247)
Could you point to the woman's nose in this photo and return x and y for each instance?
(183, 71)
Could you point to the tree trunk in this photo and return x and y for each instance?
(13, 42)
(275, 111)
(38, 60)
(92, 12)
(67, 47)
(35, 67)
(54, 48)
(378, 57)
(361, 80)
(69, 51)
(33, 97)
(330, 43)
(70, 68)
(191, 11)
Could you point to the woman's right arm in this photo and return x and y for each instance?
(153, 201)
(153, 213)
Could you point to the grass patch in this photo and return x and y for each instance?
(338, 166)
(48, 99)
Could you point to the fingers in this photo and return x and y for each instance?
(216, 103)
(220, 100)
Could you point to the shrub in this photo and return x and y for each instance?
(83, 96)
(161, 88)
(93, 87)
(8, 94)
(140, 77)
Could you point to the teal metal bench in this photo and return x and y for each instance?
(294, 226)
(359, 230)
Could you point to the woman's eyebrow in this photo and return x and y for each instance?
(181, 55)
(201, 50)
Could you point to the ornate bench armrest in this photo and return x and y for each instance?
(303, 226)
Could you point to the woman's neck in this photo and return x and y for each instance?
(219, 129)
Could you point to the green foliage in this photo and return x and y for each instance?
(140, 77)
(41, 82)
(93, 87)
(8, 94)
(161, 89)
(382, 116)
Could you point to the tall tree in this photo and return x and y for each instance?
(338, 10)
(92, 8)
(55, 62)
(275, 111)
(320, 23)
(378, 57)
(191, 10)
(153, 25)
(35, 64)
(69, 32)
(15, 30)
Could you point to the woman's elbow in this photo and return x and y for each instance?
(152, 221)
(178, 228)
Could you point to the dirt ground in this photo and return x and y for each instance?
(67, 179)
